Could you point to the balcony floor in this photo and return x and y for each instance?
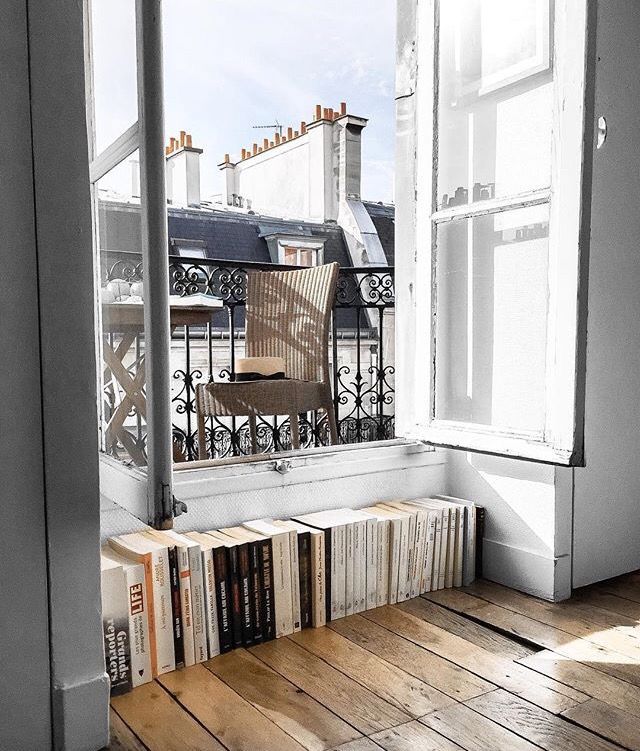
(483, 669)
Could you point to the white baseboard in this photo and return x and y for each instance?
(527, 571)
(81, 715)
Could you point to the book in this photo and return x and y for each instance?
(115, 626)
(318, 579)
(456, 538)
(180, 574)
(281, 571)
(366, 556)
(304, 568)
(480, 521)
(137, 607)
(335, 559)
(223, 591)
(387, 555)
(238, 614)
(469, 537)
(417, 539)
(207, 545)
(399, 521)
(155, 558)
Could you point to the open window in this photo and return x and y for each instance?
(489, 298)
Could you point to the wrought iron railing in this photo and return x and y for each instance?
(361, 357)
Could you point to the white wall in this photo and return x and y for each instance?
(607, 491)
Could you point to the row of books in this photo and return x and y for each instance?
(171, 600)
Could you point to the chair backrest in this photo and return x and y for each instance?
(288, 315)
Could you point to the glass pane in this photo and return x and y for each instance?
(123, 407)
(495, 99)
(491, 322)
(114, 68)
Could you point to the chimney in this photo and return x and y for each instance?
(183, 171)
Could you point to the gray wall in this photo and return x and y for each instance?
(607, 491)
(24, 632)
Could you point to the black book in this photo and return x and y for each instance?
(479, 539)
(267, 600)
(233, 562)
(223, 597)
(255, 561)
(304, 572)
(246, 599)
(176, 607)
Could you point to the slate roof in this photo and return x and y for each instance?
(383, 218)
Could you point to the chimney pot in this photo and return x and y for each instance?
(295, 134)
(265, 143)
(289, 133)
(226, 159)
(277, 139)
(318, 112)
(343, 109)
(255, 148)
(189, 141)
(183, 136)
(284, 139)
(303, 127)
(330, 113)
(244, 153)
(326, 113)
(271, 144)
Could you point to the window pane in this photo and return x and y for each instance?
(123, 408)
(114, 68)
(491, 319)
(495, 99)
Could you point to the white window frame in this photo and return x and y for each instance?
(569, 198)
(316, 247)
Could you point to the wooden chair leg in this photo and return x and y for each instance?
(333, 428)
(253, 432)
(295, 431)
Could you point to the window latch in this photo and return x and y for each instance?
(179, 507)
(282, 466)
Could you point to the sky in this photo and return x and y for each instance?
(232, 64)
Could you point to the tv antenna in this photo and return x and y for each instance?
(275, 126)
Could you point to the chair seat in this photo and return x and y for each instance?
(285, 397)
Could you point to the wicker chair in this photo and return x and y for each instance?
(287, 315)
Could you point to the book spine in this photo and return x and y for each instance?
(435, 577)
(223, 598)
(255, 578)
(151, 614)
(418, 554)
(268, 594)
(186, 606)
(469, 563)
(304, 563)
(328, 568)
(444, 546)
(138, 625)
(163, 612)
(246, 599)
(318, 596)
(176, 607)
(349, 533)
(403, 561)
(432, 519)
(340, 588)
(208, 570)
(480, 520)
(363, 553)
(395, 535)
(115, 626)
(198, 606)
(295, 581)
(411, 555)
(236, 596)
(370, 557)
(451, 549)
(282, 581)
(459, 555)
(380, 567)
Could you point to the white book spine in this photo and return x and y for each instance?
(382, 579)
(411, 555)
(360, 566)
(282, 581)
(319, 614)
(435, 578)
(186, 605)
(295, 581)
(421, 542)
(163, 612)
(138, 625)
(451, 548)
(403, 561)
(198, 603)
(469, 564)
(341, 571)
(351, 584)
(444, 547)
(370, 564)
(395, 538)
(459, 556)
(427, 581)
(213, 636)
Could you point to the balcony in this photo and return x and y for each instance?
(361, 358)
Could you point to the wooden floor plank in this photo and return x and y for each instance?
(608, 721)
(537, 725)
(161, 723)
(414, 736)
(546, 693)
(473, 632)
(606, 601)
(363, 744)
(358, 706)
(590, 681)
(627, 588)
(389, 682)
(302, 717)
(474, 732)
(121, 737)
(550, 637)
(600, 628)
(234, 721)
(449, 678)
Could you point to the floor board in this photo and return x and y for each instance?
(479, 669)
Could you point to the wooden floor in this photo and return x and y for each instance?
(482, 669)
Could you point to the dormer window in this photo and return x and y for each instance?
(300, 249)
(301, 255)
